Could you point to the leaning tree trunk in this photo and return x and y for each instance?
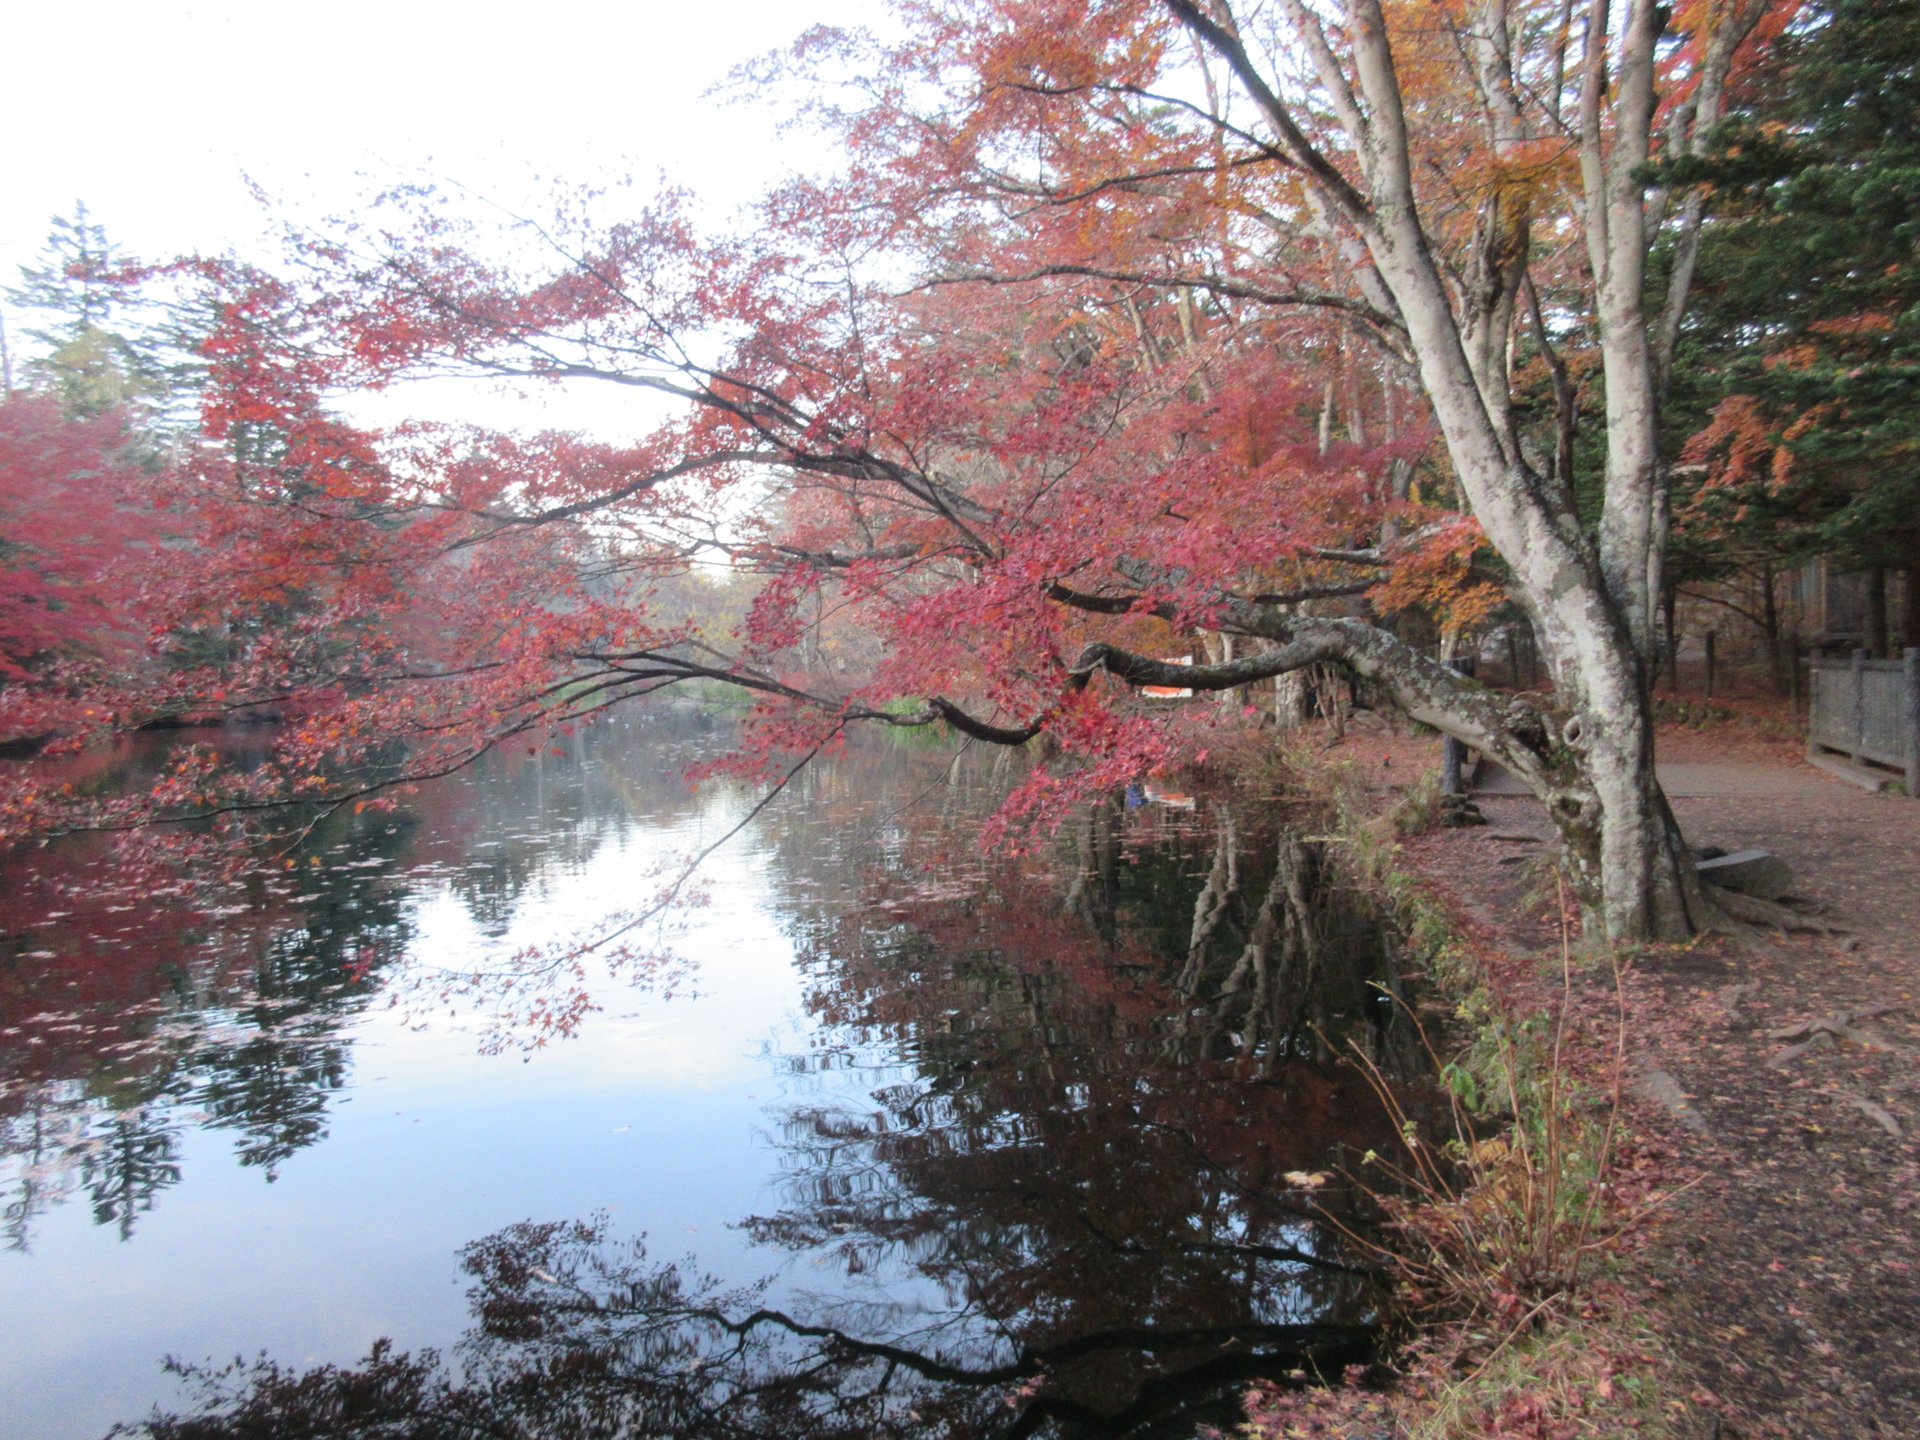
(1589, 758)
(1593, 631)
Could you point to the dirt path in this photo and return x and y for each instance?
(1786, 1074)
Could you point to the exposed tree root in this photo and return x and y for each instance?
(1731, 913)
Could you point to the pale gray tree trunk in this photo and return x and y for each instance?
(1591, 599)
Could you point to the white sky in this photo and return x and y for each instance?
(153, 111)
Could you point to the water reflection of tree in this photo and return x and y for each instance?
(578, 1335)
(1121, 1068)
(123, 1010)
(1276, 958)
(1074, 1145)
(131, 1159)
(1047, 1219)
(1062, 1154)
(554, 805)
(226, 1004)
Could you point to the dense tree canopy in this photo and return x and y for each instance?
(1129, 321)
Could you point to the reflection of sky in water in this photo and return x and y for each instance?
(886, 1163)
(650, 1114)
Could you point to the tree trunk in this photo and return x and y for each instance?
(1770, 626)
(1671, 648)
(1630, 866)
(1643, 885)
(1877, 612)
(1908, 552)
(1292, 699)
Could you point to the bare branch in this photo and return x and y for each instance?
(1304, 295)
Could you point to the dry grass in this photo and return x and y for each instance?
(1508, 1225)
(1503, 1235)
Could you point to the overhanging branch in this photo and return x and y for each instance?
(1423, 688)
(1310, 296)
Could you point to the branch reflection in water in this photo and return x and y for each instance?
(579, 1335)
(1058, 1156)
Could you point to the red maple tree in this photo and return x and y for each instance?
(1112, 333)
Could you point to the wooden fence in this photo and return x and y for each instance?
(1868, 710)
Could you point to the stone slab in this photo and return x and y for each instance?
(1759, 873)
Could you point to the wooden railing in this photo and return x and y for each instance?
(1868, 710)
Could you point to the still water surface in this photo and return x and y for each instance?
(1000, 1148)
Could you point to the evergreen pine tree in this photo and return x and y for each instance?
(90, 356)
(1806, 339)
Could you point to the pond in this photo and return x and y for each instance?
(866, 1133)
